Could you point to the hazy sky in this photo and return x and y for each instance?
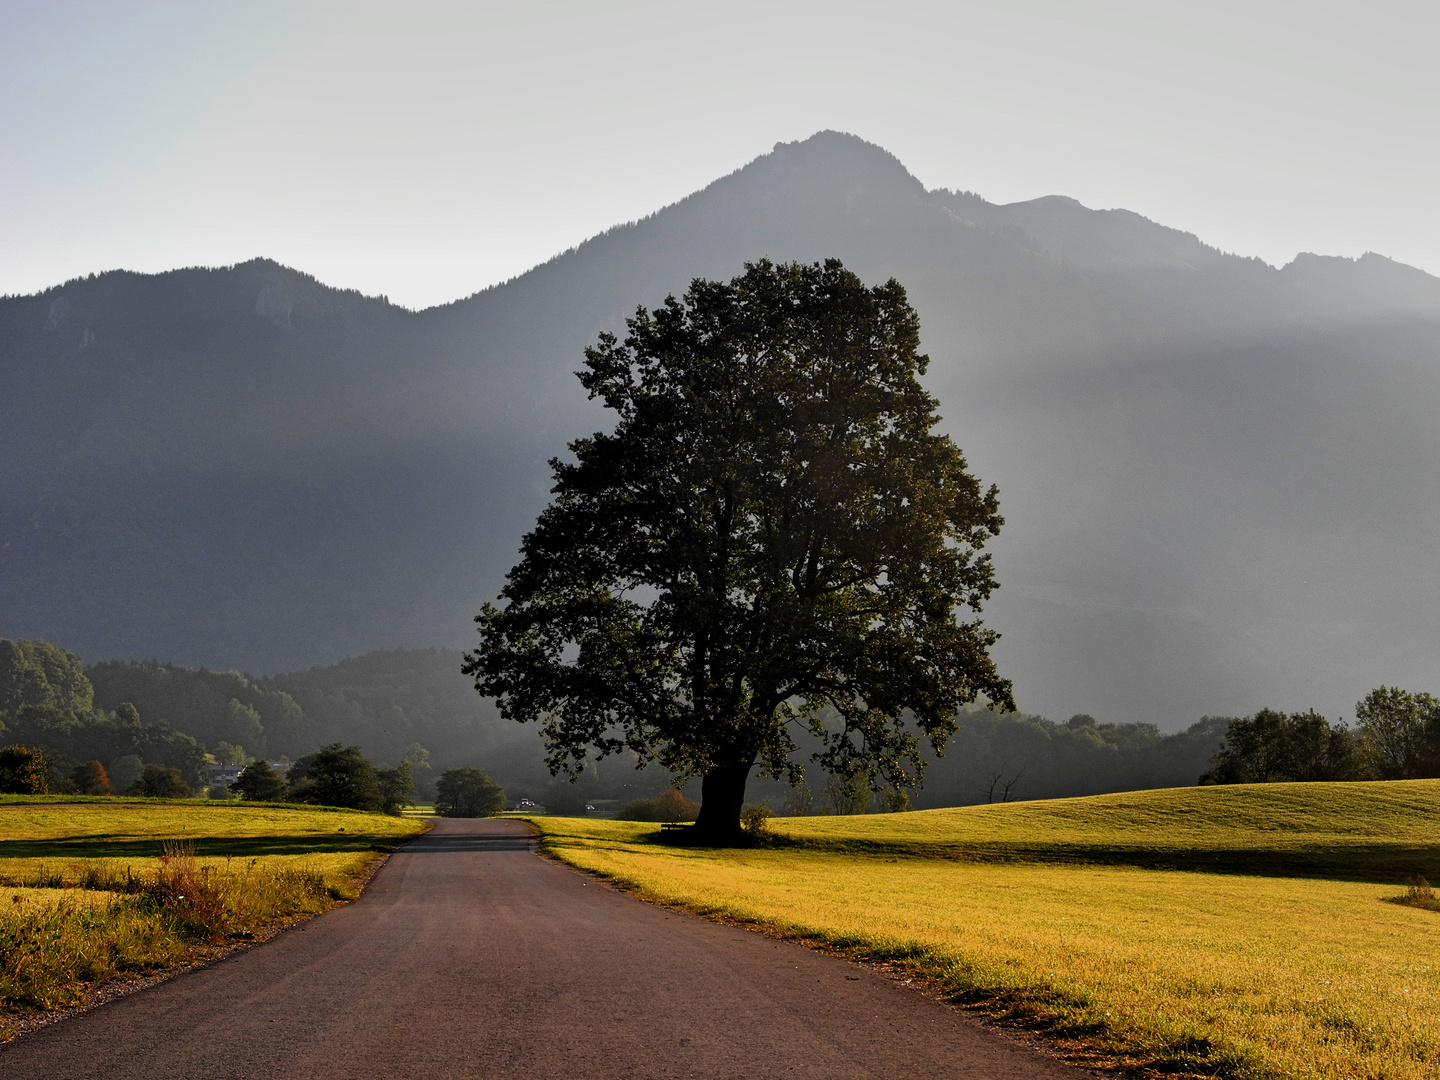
(425, 149)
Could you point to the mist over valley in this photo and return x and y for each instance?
(1219, 478)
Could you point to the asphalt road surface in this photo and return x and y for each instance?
(469, 956)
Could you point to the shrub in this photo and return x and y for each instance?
(1421, 895)
(159, 782)
(22, 770)
(755, 820)
(670, 805)
(90, 778)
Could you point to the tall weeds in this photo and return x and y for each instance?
(1420, 894)
(182, 912)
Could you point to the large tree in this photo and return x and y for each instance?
(773, 535)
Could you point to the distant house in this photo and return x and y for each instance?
(225, 775)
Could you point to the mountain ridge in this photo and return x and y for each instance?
(245, 467)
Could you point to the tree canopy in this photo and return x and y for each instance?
(468, 792)
(41, 674)
(259, 783)
(773, 535)
(1272, 747)
(1401, 730)
(335, 775)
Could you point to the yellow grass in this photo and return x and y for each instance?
(55, 841)
(27, 903)
(88, 893)
(1219, 974)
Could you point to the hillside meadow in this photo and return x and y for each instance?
(99, 890)
(1069, 918)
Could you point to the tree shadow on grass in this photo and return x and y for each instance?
(1383, 863)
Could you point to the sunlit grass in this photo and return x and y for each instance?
(1378, 830)
(51, 827)
(1218, 974)
(89, 892)
(25, 902)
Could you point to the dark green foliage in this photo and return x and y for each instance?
(259, 783)
(999, 758)
(468, 792)
(397, 787)
(564, 799)
(669, 805)
(773, 535)
(393, 701)
(22, 770)
(335, 775)
(1401, 733)
(229, 754)
(83, 736)
(211, 706)
(38, 673)
(159, 782)
(1271, 747)
(90, 778)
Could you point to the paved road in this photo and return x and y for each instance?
(471, 957)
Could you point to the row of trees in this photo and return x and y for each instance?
(339, 775)
(28, 770)
(404, 703)
(47, 702)
(1397, 738)
(51, 718)
(334, 775)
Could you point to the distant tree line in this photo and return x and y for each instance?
(54, 737)
(86, 742)
(1003, 757)
(48, 705)
(410, 704)
(1397, 737)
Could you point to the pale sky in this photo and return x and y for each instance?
(426, 149)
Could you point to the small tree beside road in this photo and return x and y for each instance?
(397, 787)
(468, 792)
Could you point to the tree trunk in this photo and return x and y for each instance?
(722, 794)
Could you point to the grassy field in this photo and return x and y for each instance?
(95, 890)
(1054, 916)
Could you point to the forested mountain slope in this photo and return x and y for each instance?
(1220, 478)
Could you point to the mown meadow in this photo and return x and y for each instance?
(95, 890)
(1254, 932)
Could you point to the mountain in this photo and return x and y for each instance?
(1220, 478)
